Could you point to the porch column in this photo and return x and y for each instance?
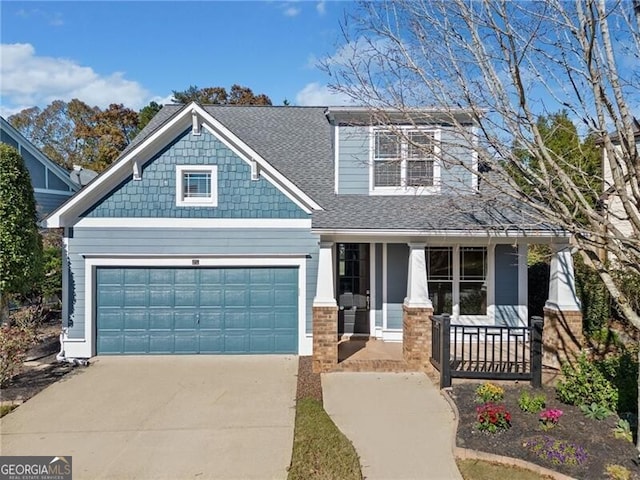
(562, 336)
(325, 314)
(417, 310)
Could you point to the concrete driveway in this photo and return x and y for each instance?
(160, 417)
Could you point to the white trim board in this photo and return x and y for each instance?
(445, 234)
(149, 222)
(63, 193)
(86, 347)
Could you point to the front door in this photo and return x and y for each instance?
(353, 288)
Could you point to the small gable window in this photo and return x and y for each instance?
(404, 159)
(196, 185)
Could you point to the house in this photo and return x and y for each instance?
(51, 183)
(616, 213)
(250, 229)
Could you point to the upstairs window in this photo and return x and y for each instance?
(196, 185)
(404, 160)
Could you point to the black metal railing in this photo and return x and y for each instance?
(486, 352)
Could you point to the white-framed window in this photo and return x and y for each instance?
(404, 161)
(196, 185)
(458, 281)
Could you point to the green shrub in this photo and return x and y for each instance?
(622, 371)
(584, 383)
(595, 411)
(594, 296)
(531, 403)
(623, 431)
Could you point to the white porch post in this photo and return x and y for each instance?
(562, 281)
(562, 336)
(417, 287)
(325, 294)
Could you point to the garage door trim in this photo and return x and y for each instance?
(91, 264)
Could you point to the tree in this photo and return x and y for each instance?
(52, 130)
(105, 135)
(73, 133)
(147, 113)
(238, 95)
(20, 241)
(509, 64)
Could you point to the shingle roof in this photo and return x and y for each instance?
(298, 142)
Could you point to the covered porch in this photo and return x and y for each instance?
(375, 299)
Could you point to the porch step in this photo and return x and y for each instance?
(386, 366)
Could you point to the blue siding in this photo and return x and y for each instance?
(37, 170)
(353, 160)
(48, 202)
(155, 195)
(506, 287)
(397, 267)
(56, 183)
(454, 149)
(8, 139)
(87, 241)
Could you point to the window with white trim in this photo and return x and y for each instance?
(466, 287)
(406, 159)
(197, 185)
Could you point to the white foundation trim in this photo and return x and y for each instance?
(86, 347)
(394, 335)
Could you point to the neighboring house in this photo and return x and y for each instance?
(51, 183)
(242, 229)
(615, 209)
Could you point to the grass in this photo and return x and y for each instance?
(481, 470)
(4, 409)
(320, 450)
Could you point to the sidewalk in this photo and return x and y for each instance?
(399, 423)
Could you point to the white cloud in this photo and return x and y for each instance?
(321, 7)
(314, 94)
(292, 11)
(29, 79)
(53, 19)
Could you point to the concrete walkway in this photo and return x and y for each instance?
(399, 423)
(155, 417)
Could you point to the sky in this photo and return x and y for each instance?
(136, 52)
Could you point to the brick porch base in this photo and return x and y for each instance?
(416, 337)
(562, 337)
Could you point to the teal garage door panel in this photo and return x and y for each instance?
(196, 310)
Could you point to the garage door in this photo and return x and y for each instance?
(196, 310)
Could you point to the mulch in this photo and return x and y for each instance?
(309, 384)
(41, 370)
(595, 436)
